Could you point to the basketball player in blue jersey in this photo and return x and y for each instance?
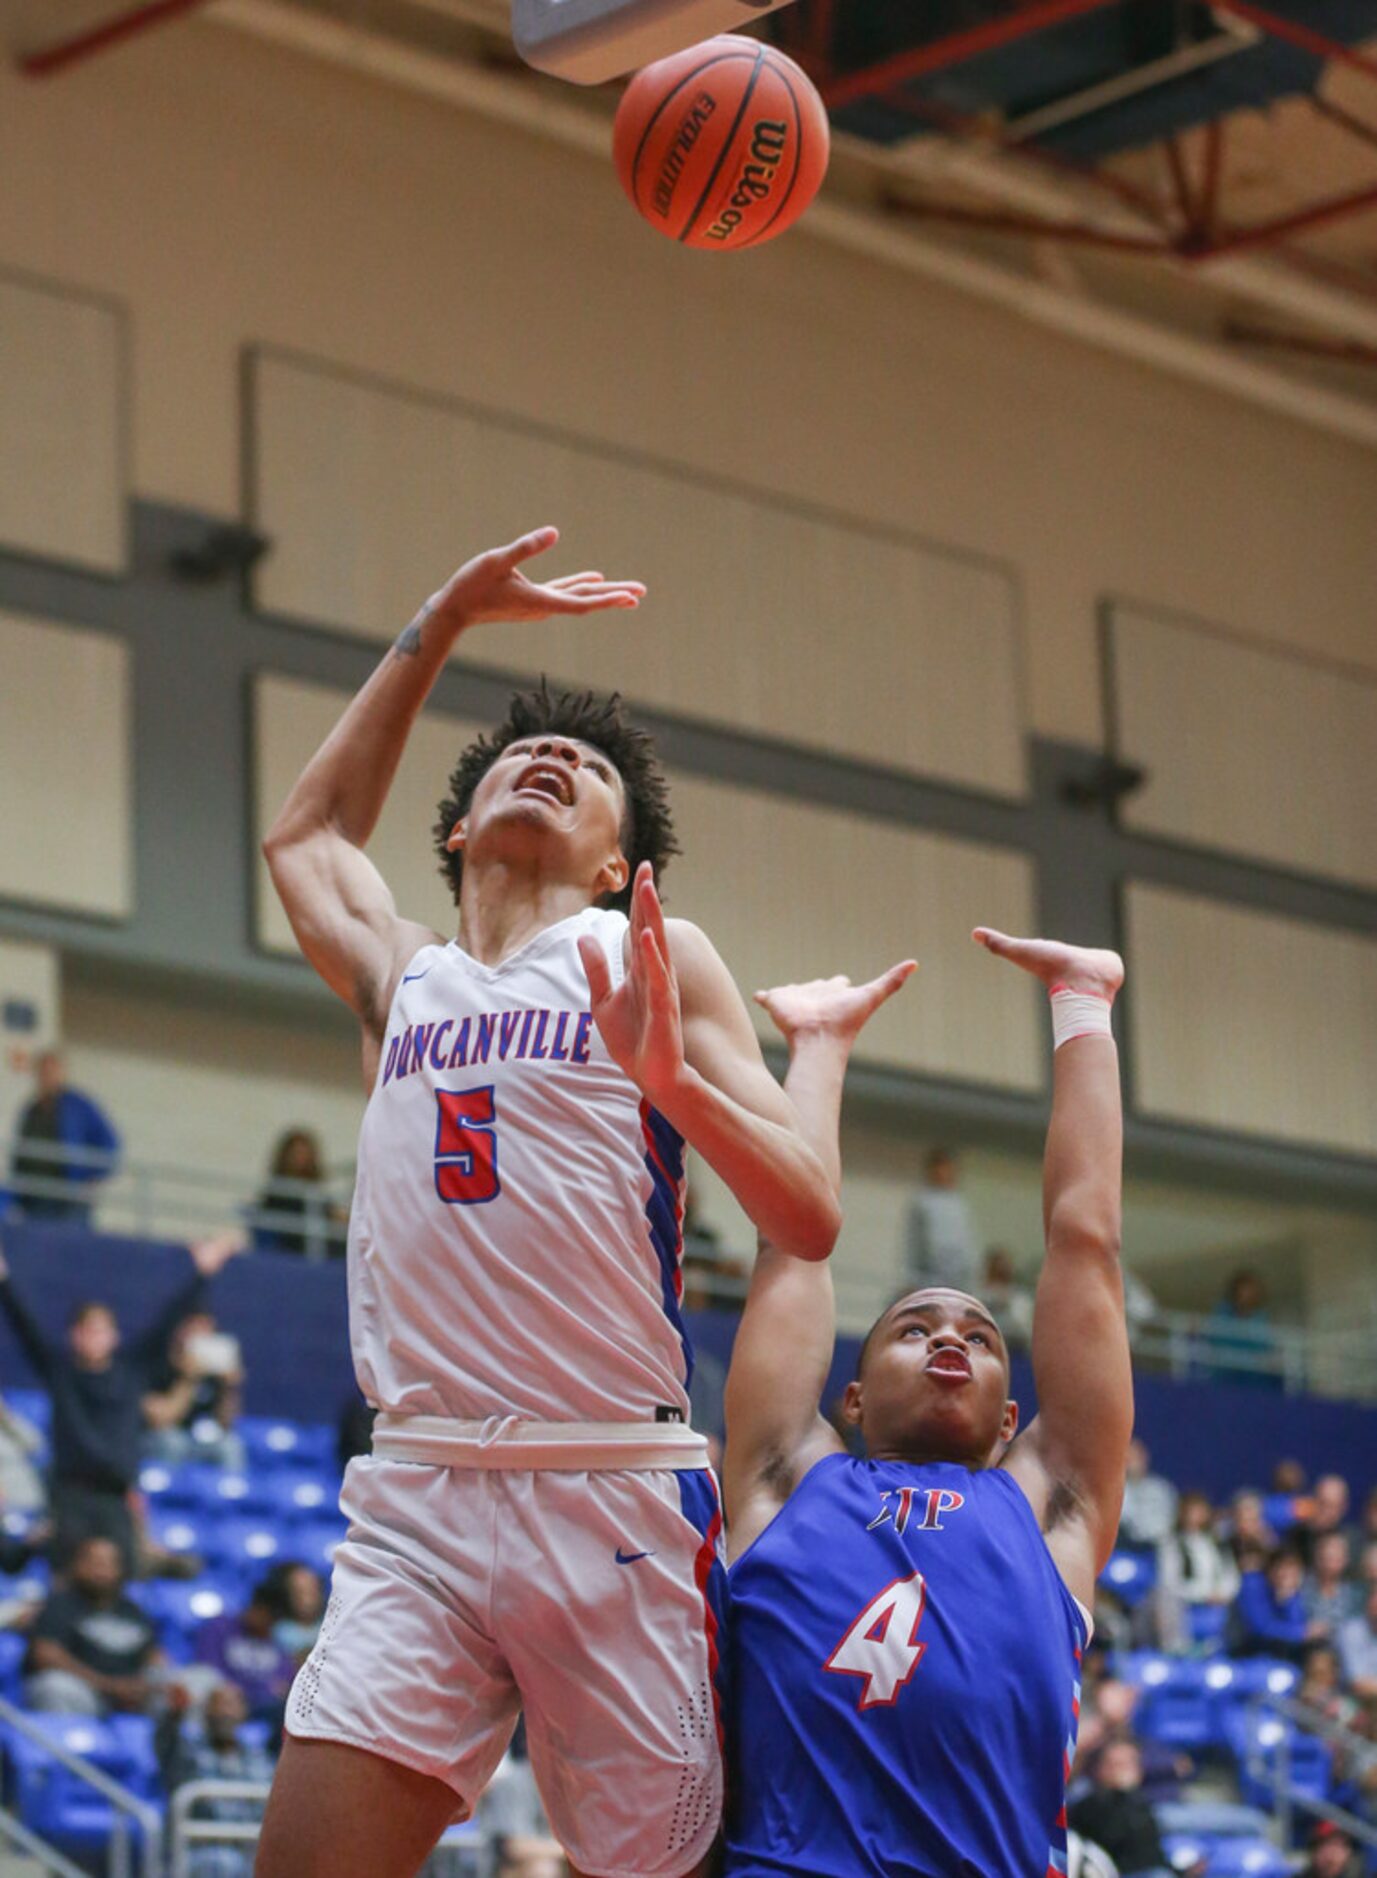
(536, 1527)
(906, 1629)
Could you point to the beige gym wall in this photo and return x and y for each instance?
(228, 192)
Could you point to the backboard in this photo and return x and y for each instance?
(588, 41)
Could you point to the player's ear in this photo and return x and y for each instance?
(613, 875)
(1008, 1428)
(458, 835)
(851, 1404)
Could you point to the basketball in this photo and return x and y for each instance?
(722, 146)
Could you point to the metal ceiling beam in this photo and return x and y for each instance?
(955, 49)
(1271, 234)
(113, 32)
(1078, 234)
(1321, 45)
(1306, 345)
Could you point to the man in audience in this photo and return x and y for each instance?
(217, 1751)
(1357, 1642)
(1326, 1514)
(196, 1397)
(941, 1244)
(1116, 1815)
(98, 1382)
(1241, 1336)
(1330, 1595)
(1149, 1514)
(1270, 1611)
(91, 1648)
(64, 1144)
(1332, 1853)
(242, 1647)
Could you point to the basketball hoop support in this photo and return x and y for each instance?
(589, 41)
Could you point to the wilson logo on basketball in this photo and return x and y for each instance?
(768, 139)
(685, 138)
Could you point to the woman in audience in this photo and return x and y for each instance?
(1250, 1539)
(1330, 1595)
(1321, 1685)
(1193, 1570)
(1270, 1617)
(298, 1596)
(291, 1217)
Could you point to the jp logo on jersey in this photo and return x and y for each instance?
(933, 1501)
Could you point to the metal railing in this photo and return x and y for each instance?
(1269, 1761)
(148, 1199)
(136, 1834)
(16, 1834)
(463, 1852)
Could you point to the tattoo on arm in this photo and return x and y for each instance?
(408, 642)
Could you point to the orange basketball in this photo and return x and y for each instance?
(722, 146)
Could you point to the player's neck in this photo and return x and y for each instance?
(502, 908)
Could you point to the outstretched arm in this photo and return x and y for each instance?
(677, 1026)
(783, 1347)
(341, 910)
(1071, 1460)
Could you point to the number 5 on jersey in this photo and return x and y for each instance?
(882, 1645)
(466, 1147)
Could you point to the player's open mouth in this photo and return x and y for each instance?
(545, 780)
(948, 1363)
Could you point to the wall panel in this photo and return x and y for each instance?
(291, 720)
(1246, 1021)
(1248, 750)
(62, 447)
(66, 781)
(795, 623)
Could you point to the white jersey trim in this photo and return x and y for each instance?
(503, 1441)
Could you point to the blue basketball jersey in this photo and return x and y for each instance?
(904, 1681)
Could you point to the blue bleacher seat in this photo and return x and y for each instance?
(1208, 1624)
(287, 1444)
(55, 1803)
(1130, 1576)
(314, 1544)
(297, 1496)
(1250, 1857)
(177, 1530)
(1262, 1741)
(14, 1647)
(35, 1405)
(246, 1546)
(1210, 1819)
(30, 1585)
(180, 1606)
(1178, 1708)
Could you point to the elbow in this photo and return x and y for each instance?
(1091, 1239)
(820, 1225)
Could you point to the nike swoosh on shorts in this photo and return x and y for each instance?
(630, 1558)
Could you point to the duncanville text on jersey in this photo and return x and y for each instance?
(531, 1034)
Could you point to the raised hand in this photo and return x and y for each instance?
(833, 1006)
(492, 586)
(1081, 968)
(640, 1021)
(211, 1255)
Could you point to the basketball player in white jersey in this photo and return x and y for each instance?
(536, 1526)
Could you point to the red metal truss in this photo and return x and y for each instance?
(1343, 351)
(112, 32)
(1277, 26)
(1034, 17)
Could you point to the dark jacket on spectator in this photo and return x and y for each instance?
(98, 1413)
(1124, 1824)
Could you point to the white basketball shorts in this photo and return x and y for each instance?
(592, 1600)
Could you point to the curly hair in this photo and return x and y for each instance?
(647, 832)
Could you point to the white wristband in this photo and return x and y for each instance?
(1079, 1014)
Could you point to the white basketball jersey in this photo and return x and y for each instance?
(515, 1243)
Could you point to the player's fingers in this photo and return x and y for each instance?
(592, 602)
(652, 913)
(525, 546)
(595, 970)
(885, 986)
(994, 941)
(569, 581)
(658, 972)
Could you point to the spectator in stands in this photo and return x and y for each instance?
(941, 1244)
(21, 1485)
(215, 1751)
(242, 1647)
(1331, 1597)
(1240, 1335)
(196, 1397)
(1321, 1685)
(65, 1140)
(1327, 1513)
(295, 1213)
(1149, 1515)
(1116, 1815)
(1010, 1300)
(1251, 1540)
(1107, 1710)
(1357, 1641)
(1193, 1569)
(1289, 1477)
(91, 1648)
(98, 1382)
(298, 1600)
(1333, 1854)
(1270, 1612)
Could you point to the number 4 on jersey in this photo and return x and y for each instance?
(882, 1645)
